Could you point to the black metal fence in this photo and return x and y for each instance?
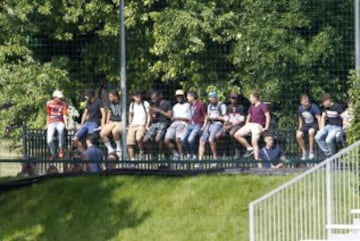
(37, 157)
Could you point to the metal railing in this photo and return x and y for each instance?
(302, 208)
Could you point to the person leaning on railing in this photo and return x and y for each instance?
(56, 121)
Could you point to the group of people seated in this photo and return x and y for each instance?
(183, 130)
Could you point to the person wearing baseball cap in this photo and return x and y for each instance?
(180, 119)
(56, 121)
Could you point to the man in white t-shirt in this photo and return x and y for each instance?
(180, 120)
(139, 120)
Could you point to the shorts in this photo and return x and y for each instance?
(156, 130)
(176, 130)
(135, 134)
(210, 132)
(87, 128)
(254, 129)
(108, 128)
(306, 127)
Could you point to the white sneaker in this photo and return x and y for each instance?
(194, 157)
(197, 166)
(304, 157)
(311, 156)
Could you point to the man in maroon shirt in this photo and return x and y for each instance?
(198, 113)
(257, 121)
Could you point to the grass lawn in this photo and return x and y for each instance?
(133, 208)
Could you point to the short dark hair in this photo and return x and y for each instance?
(193, 93)
(302, 96)
(268, 134)
(114, 92)
(325, 96)
(256, 94)
(156, 92)
(90, 93)
(93, 138)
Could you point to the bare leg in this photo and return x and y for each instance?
(201, 150)
(300, 141)
(180, 147)
(311, 140)
(242, 141)
(213, 148)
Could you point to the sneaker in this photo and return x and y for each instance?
(176, 157)
(311, 156)
(197, 166)
(142, 156)
(249, 153)
(194, 157)
(303, 157)
(61, 153)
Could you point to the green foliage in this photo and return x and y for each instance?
(353, 133)
(24, 89)
(280, 47)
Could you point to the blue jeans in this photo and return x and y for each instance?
(51, 129)
(190, 137)
(88, 128)
(326, 139)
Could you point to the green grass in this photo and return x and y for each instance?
(133, 208)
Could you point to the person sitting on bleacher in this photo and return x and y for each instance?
(160, 114)
(257, 121)
(113, 123)
(271, 155)
(330, 125)
(56, 121)
(198, 113)
(309, 116)
(213, 124)
(235, 119)
(180, 119)
(94, 116)
(347, 117)
(139, 121)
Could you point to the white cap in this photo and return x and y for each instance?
(58, 94)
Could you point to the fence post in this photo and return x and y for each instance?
(252, 222)
(329, 195)
(25, 151)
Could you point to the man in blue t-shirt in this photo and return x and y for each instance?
(309, 120)
(93, 153)
(271, 155)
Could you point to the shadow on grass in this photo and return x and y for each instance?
(83, 209)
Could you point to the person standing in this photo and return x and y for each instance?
(139, 121)
(212, 126)
(94, 116)
(56, 121)
(257, 121)
(192, 132)
(113, 123)
(330, 125)
(309, 116)
(175, 132)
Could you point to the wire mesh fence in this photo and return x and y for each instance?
(280, 48)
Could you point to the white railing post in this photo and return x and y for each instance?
(252, 222)
(329, 195)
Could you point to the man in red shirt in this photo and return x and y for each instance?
(257, 121)
(56, 121)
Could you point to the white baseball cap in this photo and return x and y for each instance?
(58, 94)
